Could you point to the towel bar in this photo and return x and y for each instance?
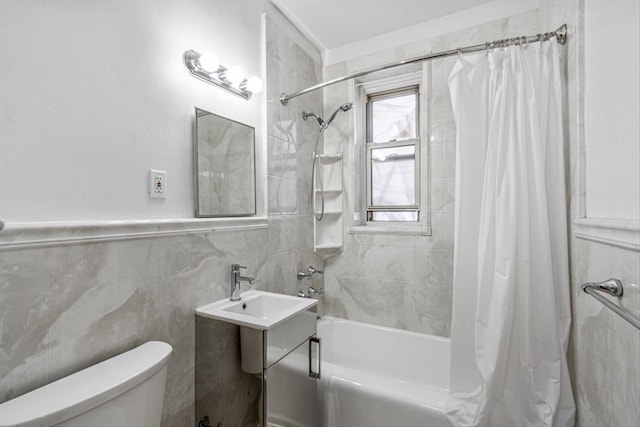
(612, 287)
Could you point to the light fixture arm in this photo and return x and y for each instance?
(216, 77)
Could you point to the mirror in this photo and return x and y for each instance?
(224, 163)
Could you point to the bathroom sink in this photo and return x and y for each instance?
(257, 309)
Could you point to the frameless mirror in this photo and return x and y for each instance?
(224, 163)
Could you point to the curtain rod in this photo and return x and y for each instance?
(560, 34)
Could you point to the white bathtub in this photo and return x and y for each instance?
(376, 376)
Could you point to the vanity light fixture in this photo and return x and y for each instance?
(207, 67)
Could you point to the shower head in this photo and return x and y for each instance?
(343, 107)
(306, 115)
(323, 125)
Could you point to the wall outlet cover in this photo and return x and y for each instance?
(157, 184)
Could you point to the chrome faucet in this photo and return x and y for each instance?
(309, 274)
(236, 278)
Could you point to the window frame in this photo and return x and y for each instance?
(370, 85)
(371, 145)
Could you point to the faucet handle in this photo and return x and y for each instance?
(313, 271)
(312, 291)
(309, 274)
(237, 267)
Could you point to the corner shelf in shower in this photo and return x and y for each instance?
(331, 213)
(326, 251)
(328, 158)
(330, 192)
(327, 234)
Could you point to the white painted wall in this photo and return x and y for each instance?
(94, 93)
(612, 112)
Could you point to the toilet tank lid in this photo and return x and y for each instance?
(77, 393)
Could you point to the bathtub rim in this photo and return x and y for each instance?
(328, 319)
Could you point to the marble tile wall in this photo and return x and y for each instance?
(605, 349)
(362, 283)
(223, 392)
(290, 144)
(404, 281)
(63, 308)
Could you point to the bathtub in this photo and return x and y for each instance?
(377, 376)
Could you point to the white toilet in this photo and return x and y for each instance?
(126, 390)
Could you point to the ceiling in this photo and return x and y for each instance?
(334, 23)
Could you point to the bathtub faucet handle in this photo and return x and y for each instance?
(309, 274)
(310, 292)
(312, 271)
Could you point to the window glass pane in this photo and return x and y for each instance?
(393, 118)
(393, 176)
(393, 216)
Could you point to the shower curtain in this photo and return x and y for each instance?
(511, 312)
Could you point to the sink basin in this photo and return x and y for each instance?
(257, 309)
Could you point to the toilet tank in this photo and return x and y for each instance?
(126, 390)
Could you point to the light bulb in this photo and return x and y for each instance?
(254, 84)
(234, 75)
(209, 62)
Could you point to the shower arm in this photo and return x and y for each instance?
(560, 35)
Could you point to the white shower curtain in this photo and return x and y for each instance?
(511, 312)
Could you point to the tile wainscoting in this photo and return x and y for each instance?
(605, 349)
(72, 297)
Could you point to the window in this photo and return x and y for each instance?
(390, 164)
(393, 153)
